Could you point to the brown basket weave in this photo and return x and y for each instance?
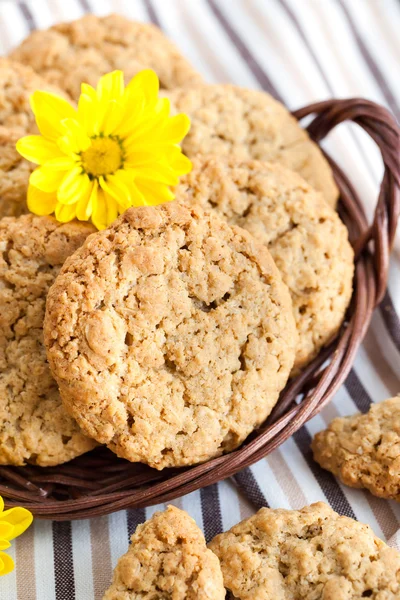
(100, 483)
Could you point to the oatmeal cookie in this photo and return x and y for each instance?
(312, 553)
(305, 236)
(167, 559)
(17, 83)
(14, 175)
(237, 122)
(34, 427)
(68, 54)
(170, 334)
(364, 450)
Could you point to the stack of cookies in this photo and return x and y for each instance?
(170, 335)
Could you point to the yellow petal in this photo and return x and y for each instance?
(181, 164)
(147, 81)
(85, 205)
(75, 138)
(105, 210)
(111, 119)
(115, 187)
(6, 530)
(1, 504)
(74, 186)
(40, 203)
(65, 213)
(175, 129)
(111, 86)
(20, 518)
(46, 180)
(154, 193)
(88, 90)
(4, 544)
(87, 113)
(49, 110)
(6, 564)
(159, 172)
(37, 149)
(63, 163)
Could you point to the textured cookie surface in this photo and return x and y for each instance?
(34, 426)
(170, 334)
(311, 554)
(242, 123)
(364, 450)
(167, 559)
(83, 50)
(17, 83)
(305, 236)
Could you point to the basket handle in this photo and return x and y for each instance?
(382, 127)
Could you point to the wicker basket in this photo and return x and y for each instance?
(99, 483)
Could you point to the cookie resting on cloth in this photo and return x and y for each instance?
(363, 450)
(81, 51)
(170, 335)
(17, 83)
(231, 121)
(167, 559)
(305, 236)
(34, 427)
(307, 554)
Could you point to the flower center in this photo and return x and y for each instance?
(105, 156)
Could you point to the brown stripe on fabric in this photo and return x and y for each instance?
(246, 508)
(359, 395)
(85, 5)
(241, 47)
(25, 571)
(328, 484)
(152, 13)
(206, 50)
(211, 511)
(246, 481)
(371, 63)
(391, 319)
(63, 561)
(27, 14)
(287, 480)
(134, 517)
(101, 555)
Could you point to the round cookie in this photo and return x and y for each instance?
(363, 450)
(34, 427)
(312, 553)
(68, 54)
(170, 335)
(167, 558)
(231, 121)
(305, 236)
(17, 83)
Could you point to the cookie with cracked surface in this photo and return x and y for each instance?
(34, 427)
(231, 121)
(308, 553)
(363, 450)
(167, 559)
(170, 334)
(305, 236)
(68, 54)
(17, 83)
(14, 175)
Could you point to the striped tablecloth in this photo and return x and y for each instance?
(300, 51)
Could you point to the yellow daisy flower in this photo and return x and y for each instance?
(13, 522)
(119, 148)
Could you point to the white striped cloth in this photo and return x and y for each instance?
(300, 51)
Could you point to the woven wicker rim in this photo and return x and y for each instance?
(99, 483)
